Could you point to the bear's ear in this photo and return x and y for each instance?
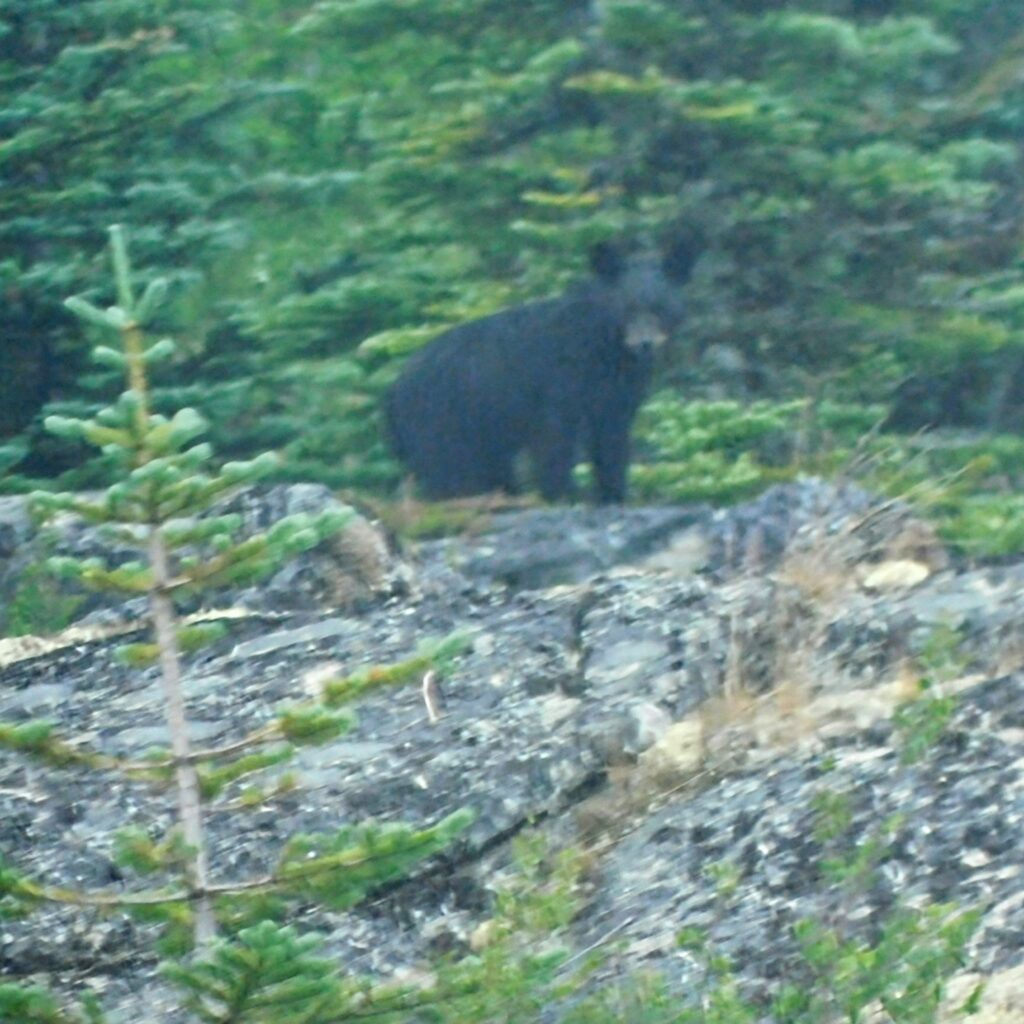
(606, 261)
(678, 259)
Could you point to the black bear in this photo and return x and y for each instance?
(555, 378)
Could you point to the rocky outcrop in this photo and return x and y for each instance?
(675, 688)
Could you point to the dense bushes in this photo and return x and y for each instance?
(349, 178)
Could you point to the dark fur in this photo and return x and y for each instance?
(548, 377)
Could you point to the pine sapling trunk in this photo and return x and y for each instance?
(189, 805)
(165, 634)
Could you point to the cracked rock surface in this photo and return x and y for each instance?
(677, 688)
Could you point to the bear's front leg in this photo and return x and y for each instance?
(610, 446)
(554, 456)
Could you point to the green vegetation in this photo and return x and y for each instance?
(970, 486)
(712, 451)
(267, 973)
(902, 970)
(39, 605)
(922, 722)
(344, 179)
